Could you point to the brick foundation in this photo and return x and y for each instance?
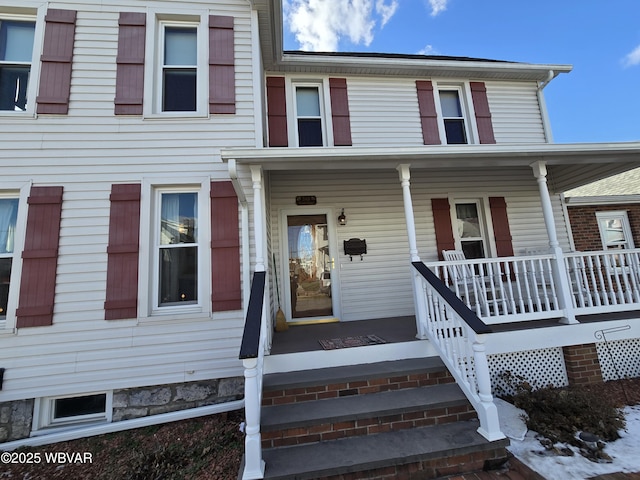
(582, 363)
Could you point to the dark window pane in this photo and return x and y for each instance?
(75, 406)
(310, 132)
(178, 275)
(473, 249)
(13, 87)
(5, 275)
(455, 131)
(179, 94)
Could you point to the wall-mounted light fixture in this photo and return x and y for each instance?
(342, 219)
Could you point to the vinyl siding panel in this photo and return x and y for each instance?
(86, 151)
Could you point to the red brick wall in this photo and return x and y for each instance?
(586, 235)
(583, 365)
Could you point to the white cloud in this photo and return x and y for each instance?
(632, 58)
(427, 50)
(318, 25)
(437, 6)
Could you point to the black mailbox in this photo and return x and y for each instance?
(355, 246)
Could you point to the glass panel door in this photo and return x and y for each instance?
(309, 266)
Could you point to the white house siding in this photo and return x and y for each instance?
(515, 112)
(380, 285)
(384, 112)
(87, 151)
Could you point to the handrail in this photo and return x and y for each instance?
(465, 313)
(250, 346)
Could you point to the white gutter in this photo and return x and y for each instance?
(92, 430)
(244, 223)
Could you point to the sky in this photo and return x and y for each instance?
(599, 101)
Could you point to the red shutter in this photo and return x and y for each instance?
(130, 63)
(226, 293)
(483, 114)
(501, 231)
(222, 76)
(122, 265)
(57, 56)
(340, 112)
(428, 115)
(40, 257)
(442, 223)
(277, 112)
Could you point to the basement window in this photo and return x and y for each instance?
(71, 411)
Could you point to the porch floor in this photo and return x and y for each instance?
(305, 338)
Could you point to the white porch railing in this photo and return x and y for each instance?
(459, 335)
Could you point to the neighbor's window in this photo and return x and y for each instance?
(177, 248)
(615, 231)
(16, 53)
(453, 118)
(179, 68)
(470, 229)
(8, 217)
(309, 116)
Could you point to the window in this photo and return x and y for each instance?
(179, 69)
(453, 117)
(309, 122)
(470, 231)
(8, 219)
(16, 53)
(72, 411)
(615, 230)
(177, 248)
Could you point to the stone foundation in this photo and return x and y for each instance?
(15, 419)
(141, 402)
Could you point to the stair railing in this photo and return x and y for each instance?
(459, 336)
(252, 356)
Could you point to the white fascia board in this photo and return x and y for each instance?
(603, 200)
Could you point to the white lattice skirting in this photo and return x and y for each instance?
(619, 358)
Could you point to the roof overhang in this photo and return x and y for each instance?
(569, 165)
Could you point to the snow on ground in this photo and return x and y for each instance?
(625, 451)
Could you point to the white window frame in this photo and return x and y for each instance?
(484, 219)
(325, 109)
(153, 75)
(466, 106)
(149, 278)
(45, 423)
(35, 15)
(21, 192)
(623, 216)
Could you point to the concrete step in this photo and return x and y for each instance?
(330, 419)
(334, 382)
(425, 452)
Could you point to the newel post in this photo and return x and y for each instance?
(418, 291)
(487, 411)
(253, 463)
(560, 274)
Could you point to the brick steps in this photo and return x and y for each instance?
(402, 419)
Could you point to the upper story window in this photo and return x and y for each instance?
(615, 230)
(453, 116)
(309, 118)
(16, 54)
(180, 69)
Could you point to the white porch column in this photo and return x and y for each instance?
(258, 217)
(418, 292)
(253, 462)
(560, 274)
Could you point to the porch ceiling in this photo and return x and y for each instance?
(569, 165)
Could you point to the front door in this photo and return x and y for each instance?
(308, 288)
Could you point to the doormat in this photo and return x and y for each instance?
(346, 342)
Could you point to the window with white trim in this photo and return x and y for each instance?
(17, 33)
(470, 228)
(177, 246)
(615, 230)
(453, 118)
(8, 221)
(72, 411)
(309, 115)
(180, 72)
